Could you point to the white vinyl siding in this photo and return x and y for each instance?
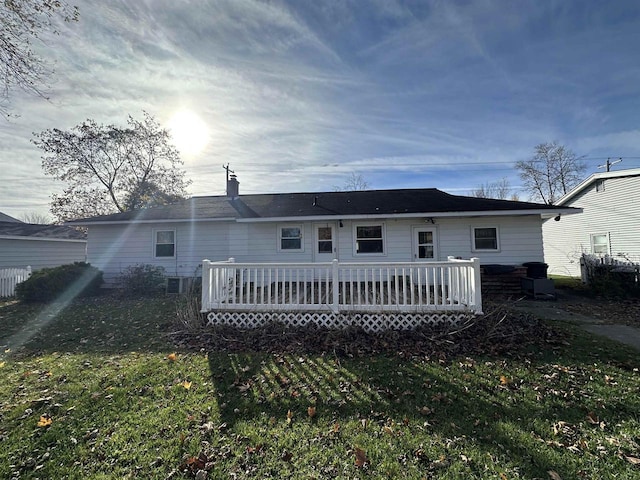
(112, 248)
(39, 254)
(613, 211)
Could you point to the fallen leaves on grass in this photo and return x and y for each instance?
(593, 419)
(172, 357)
(553, 475)
(186, 385)
(256, 449)
(195, 464)
(45, 421)
(311, 411)
(289, 417)
(632, 460)
(361, 457)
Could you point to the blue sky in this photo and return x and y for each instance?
(297, 95)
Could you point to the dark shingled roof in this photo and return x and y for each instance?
(6, 218)
(19, 229)
(424, 201)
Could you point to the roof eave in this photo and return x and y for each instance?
(47, 239)
(81, 223)
(551, 212)
(547, 212)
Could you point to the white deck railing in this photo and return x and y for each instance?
(10, 277)
(339, 287)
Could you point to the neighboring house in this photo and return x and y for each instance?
(39, 246)
(359, 226)
(609, 224)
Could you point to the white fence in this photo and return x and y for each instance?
(336, 287)
(10, 277)
(618, 264)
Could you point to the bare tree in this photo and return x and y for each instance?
(21, 24)
(36, 217)
(551, 172)
(355, 182)
(110, 169)
(500, 189)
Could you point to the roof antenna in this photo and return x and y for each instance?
(609, 163)
(228, 171)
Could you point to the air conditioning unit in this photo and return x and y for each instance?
(178, 284)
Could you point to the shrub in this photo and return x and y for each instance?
(143, 279)
(60, 283)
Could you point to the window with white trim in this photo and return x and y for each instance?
(369, 239)
(164, 243)
(600, 243)
(600, 185)
(485, 239)
(290, 238)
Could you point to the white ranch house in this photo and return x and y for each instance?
(382, 244)
(608, 226)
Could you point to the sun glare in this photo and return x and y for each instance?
(189, 133)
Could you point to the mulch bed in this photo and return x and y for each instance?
(498, 332)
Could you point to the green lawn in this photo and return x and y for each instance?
(563, 281)
(118, 404)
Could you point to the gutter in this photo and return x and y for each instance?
(161, 220)
(42, 239)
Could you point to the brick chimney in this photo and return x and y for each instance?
(233, 186)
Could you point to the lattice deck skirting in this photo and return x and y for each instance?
(370, 322)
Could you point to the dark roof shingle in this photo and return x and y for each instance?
(17, 229)
(340, 204)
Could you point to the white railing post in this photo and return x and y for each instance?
(230, 282)
(206, 286)
(335, 273)
(476, 286)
